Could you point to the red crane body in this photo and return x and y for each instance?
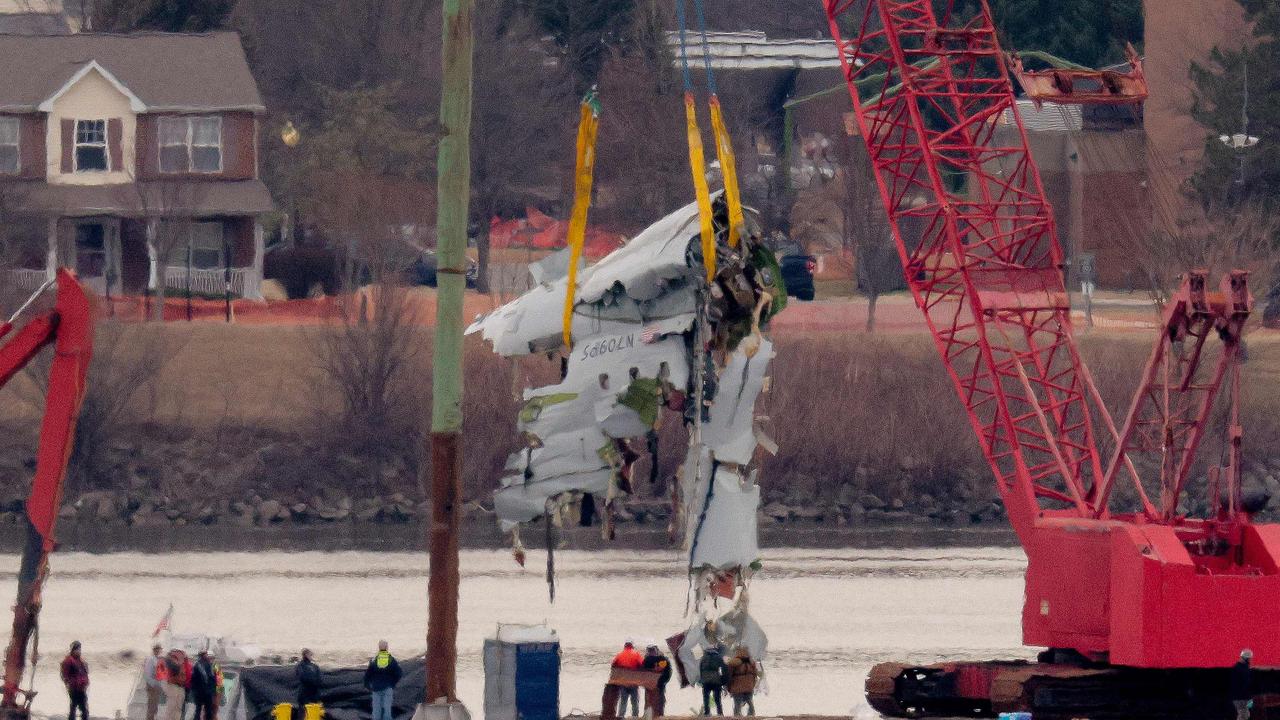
(1117, 572)
(69, 329)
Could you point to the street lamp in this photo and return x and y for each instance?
(1241, 141)
(290, 135)
(1238, 141)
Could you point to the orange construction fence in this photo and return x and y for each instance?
(420, 304)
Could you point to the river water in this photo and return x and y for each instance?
(830, 614)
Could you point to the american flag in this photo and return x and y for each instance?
(649, 334)
(164, 621)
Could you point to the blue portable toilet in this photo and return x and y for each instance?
(522, 673)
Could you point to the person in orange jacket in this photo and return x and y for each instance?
(628, 659)
(173, 676)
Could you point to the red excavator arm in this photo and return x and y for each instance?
(69, 328)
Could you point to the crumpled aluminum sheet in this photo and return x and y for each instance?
(734, 629)
(646, 266)
(730, 430)
(522, 502)
(646, 279)
(572, 432)
(728, 536)
(632, 310)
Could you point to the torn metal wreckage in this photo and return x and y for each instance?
(650, 333)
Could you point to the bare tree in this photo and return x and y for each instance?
(369, 390)
(585, 31)
(1212, 238)
(381, 223)
(16, 244)
(522, 107)
(642, 154)
(128, 361)
(866, 234)
(347, 45)
(361, 176)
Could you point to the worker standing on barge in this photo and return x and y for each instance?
(380, 679)
(151, 674)
(628, 659)
(1241, 685)
(75, 675)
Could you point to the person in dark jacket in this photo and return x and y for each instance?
(713, 674)
(308, 674)
(655, 661)
(75, 675)
(380, 679)
(204, 687)
(1241, 685)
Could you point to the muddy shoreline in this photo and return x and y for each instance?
(412, 535)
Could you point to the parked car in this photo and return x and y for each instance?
(423, 270)
(797, 273)
(302, 269)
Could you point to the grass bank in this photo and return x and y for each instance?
(244, 414)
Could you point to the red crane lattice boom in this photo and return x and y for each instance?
(987, 269)
(1119, 584)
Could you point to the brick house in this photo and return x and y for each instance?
(133, 159)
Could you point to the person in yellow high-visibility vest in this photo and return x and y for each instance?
(220, 685)
(381, 678)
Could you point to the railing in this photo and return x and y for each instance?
(244, 282)
(29, 280)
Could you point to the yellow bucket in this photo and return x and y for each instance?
(314, 711)
(282, 711)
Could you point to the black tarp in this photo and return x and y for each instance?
(341, 692)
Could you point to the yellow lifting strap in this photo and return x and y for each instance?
(698, 167)
(588, 123)
(729, 169)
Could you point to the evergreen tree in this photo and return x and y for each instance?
(1250, 174)
(586, 31)
(1088, 32)
(1237, 83)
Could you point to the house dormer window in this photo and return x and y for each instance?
(190, 144)
(9, 157)
(91, 145)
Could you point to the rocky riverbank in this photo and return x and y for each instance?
(207, 445)
(332, 506)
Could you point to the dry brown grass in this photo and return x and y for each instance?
(838, 403)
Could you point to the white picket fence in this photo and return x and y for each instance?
(244, 282)
(29, 280)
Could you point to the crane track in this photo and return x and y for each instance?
(1053, 691)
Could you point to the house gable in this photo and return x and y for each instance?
(135, 104)
(91, 94)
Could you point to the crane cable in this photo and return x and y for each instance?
(724, 146)
(584, 170)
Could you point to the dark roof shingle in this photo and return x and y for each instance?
(166, 71)
(199, 198)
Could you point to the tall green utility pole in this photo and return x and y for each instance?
(454, 188)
